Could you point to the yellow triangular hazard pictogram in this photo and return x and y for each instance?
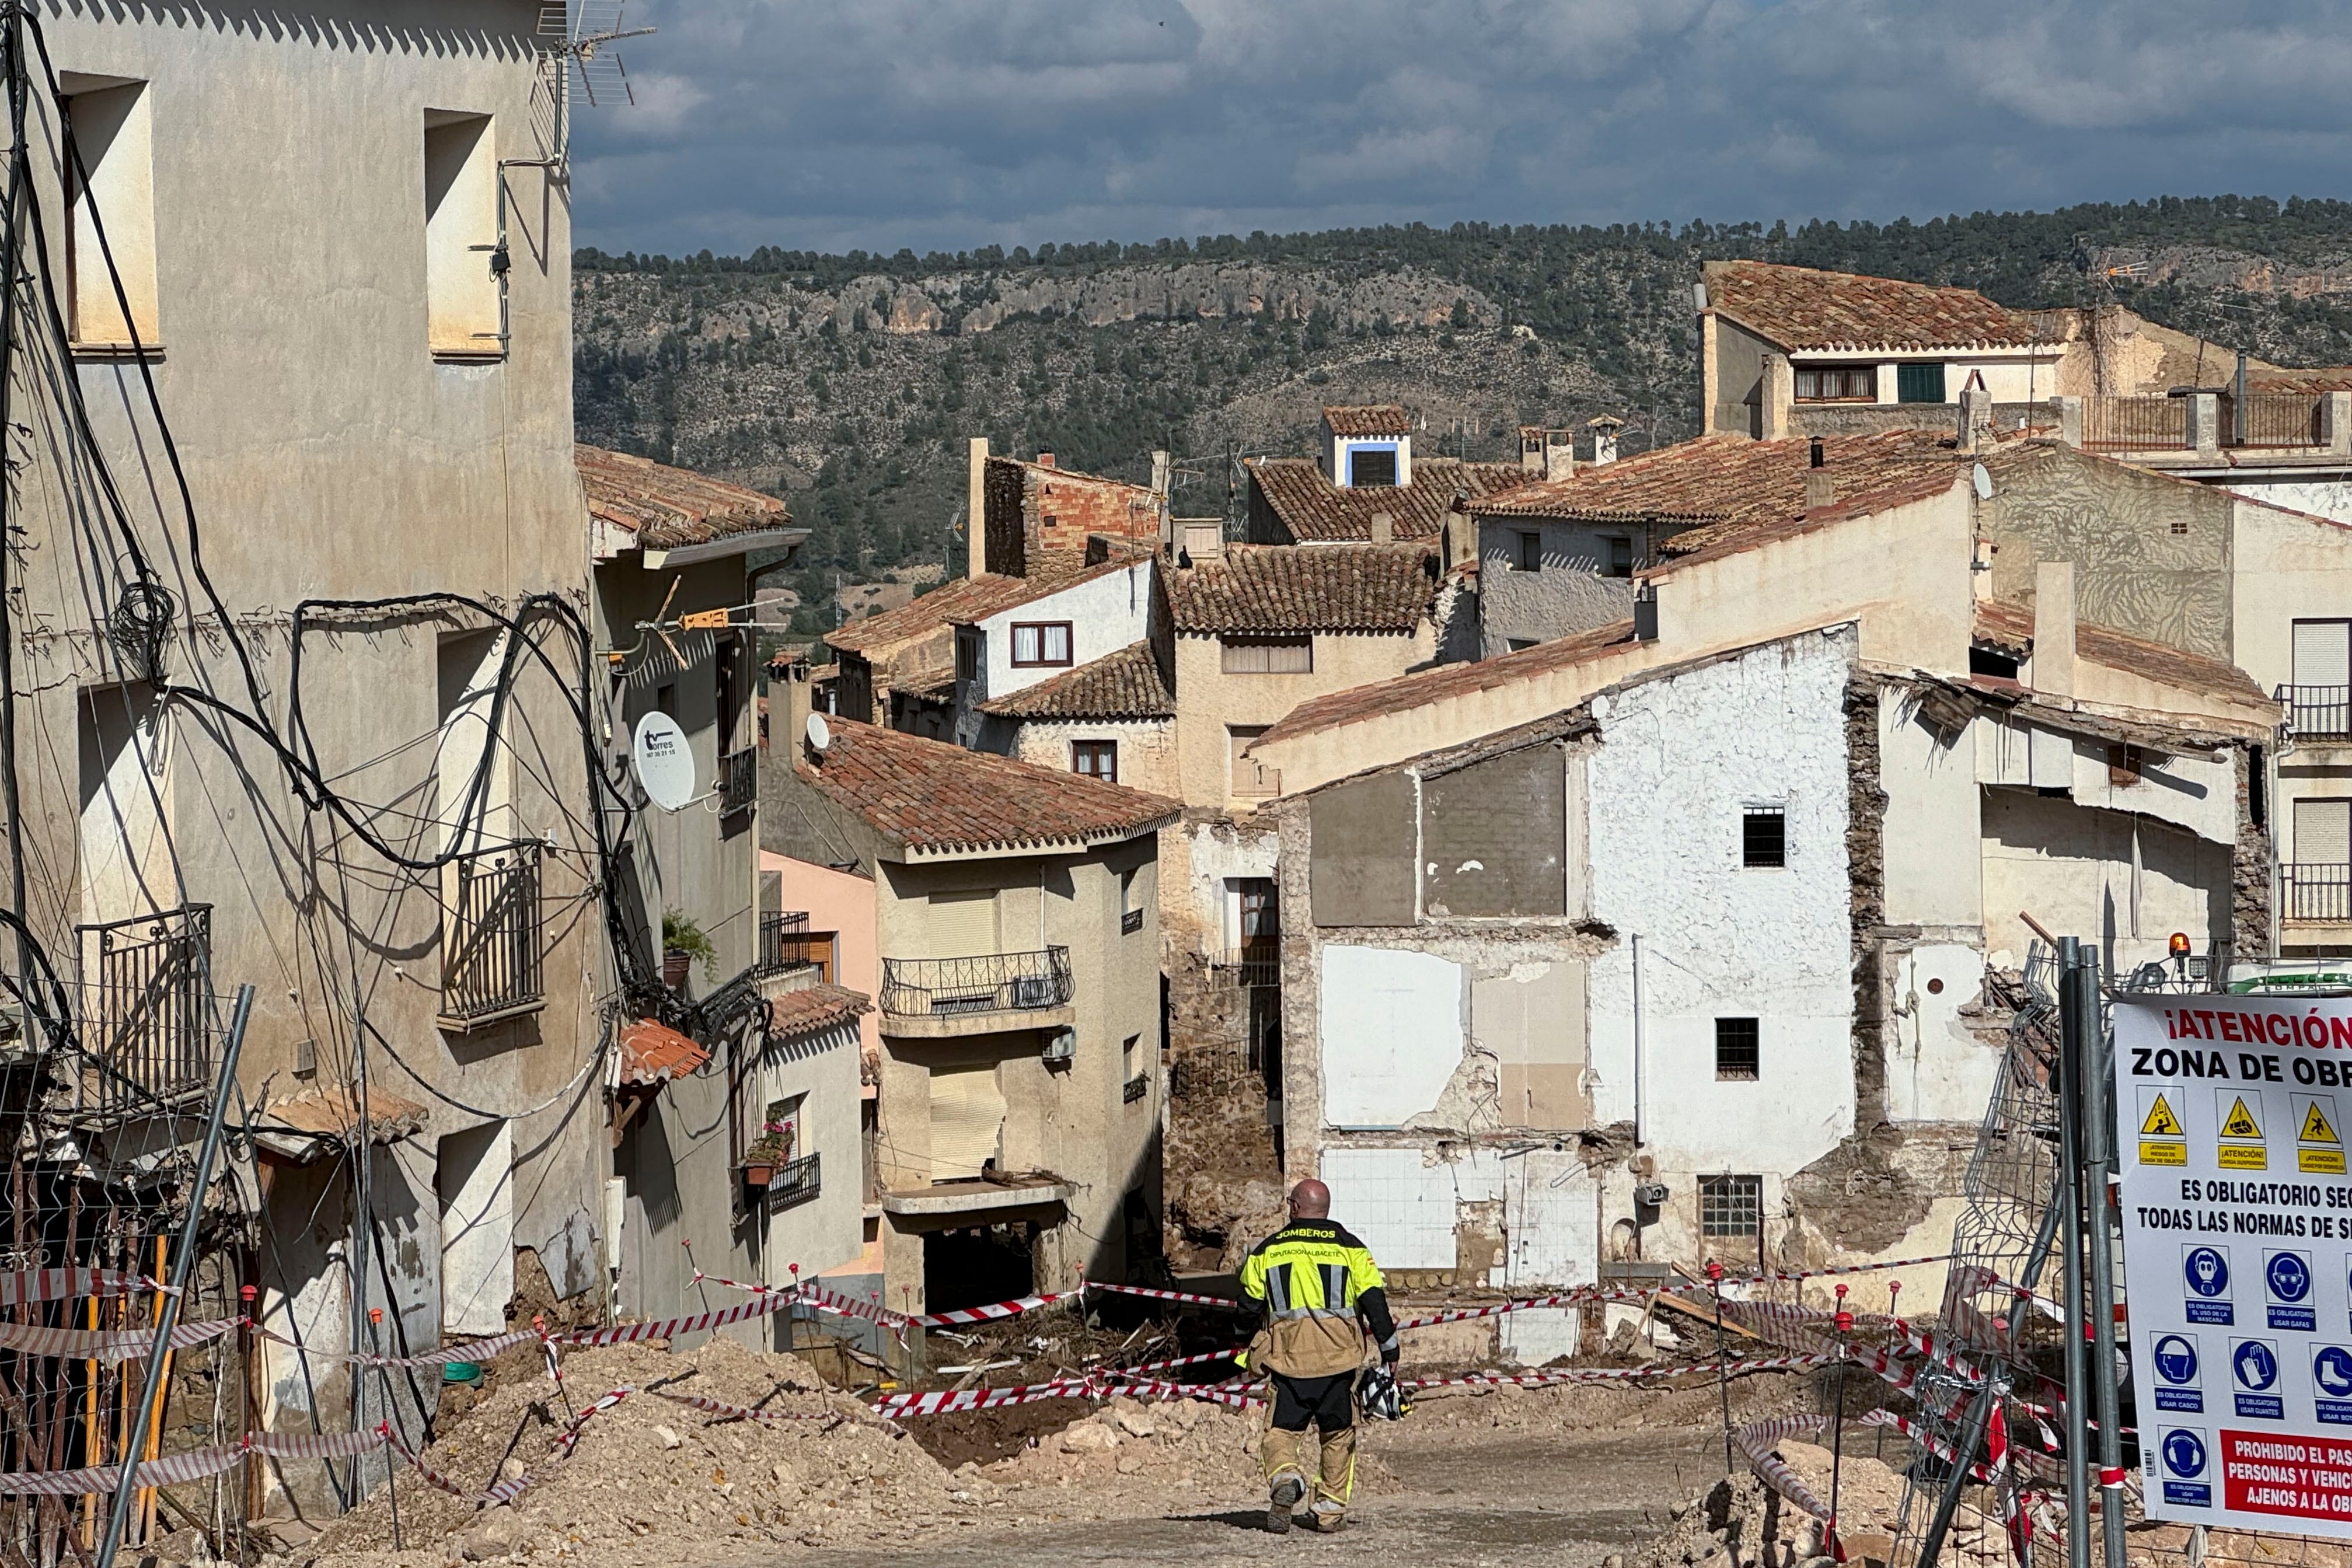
(2161, 1123)
(2240, 1123)
(2316, 1129)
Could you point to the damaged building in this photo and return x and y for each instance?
(1713, 912)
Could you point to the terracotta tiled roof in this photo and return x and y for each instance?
(926, 795)
(667, 507)
(2312, 382)
(813, 1008)
(1367, 419)
(2008, 625)
(1406, 691)
(1316, 511)
(1125, 685)
(1798, 307)
(654, 1052)
(1304, 588)
(962, 601)
(331, 1111)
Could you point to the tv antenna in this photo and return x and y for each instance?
(575, 44)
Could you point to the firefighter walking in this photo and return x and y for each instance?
(1314, 1282)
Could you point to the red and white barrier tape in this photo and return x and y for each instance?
(1172, 1362)
(759, 1306)
(1732, 1279)
(22, 1287)
(1919, 1435)
(1169, 1295)
(995, 1310)
(478, 1350)
(104, 1344)
(193, 1464)
(503, 1491)
(944, 1402)
(1756, 1440)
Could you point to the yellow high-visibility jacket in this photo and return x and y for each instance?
(1314, 1281)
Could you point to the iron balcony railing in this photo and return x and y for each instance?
(492, 964)
(2318, 892)
(2162, 424)
(1259, 963)
(2317, 713)
(993, 983)
(148, 988)
(784, 941)
(2272, 419)
(796, 1182)
(739, 780)
(2135, 423)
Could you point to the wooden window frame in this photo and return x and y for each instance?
(1241, 656)
(1041, 630)
(1847, 374)
(1617, 545)
(1080, 749)
(970, 645)
(1530, 551)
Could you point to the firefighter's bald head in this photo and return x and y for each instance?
(1310, 1199)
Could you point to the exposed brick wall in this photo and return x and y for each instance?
(1031, 510)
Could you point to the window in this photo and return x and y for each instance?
(1136, 1080)
(782, 1124)
(461, 228)
(968, 645)
(1518, 644)
(1259, 911)
(1130, 913)
(1252, 781)
(112, 134)
(1737, 1054)
(1764, 837)
(1918, 383)
(1126, 1055)
(1372, 465)
(1267, 656)
(1036, 643)
(1838, 383)
(1531, 552)
(1096, 759)
(1621, 558)
(1731, 1206)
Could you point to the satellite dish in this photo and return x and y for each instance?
(820, 734)
(664, 761)
(1983, 481)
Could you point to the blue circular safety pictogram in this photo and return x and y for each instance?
(2176, 1359)
(2289, 1277)
(2256, 1368)
(2331, 1370)
(2184, 1454)
(2207, 1271)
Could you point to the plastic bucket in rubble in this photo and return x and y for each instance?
(461, 1372)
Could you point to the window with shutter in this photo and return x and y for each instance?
(1918, 383)
(2323, 833)
(1267, 656)
(963, 925)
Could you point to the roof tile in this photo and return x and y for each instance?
(1125, 685)
(1316, 511)
(1422, 686)
(1372, 419)
(813, 1008)
(2008, 624)
(965, 599)
(926, 795)
(1275, 588)
(667, 507)
(1799, 308)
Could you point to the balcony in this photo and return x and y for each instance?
(1259, 963)
(783, 941)
(2317, 713)
(492, 964)
(147, 1004)
(795, 1182)
(739, 780)
(2211, 422)
(1136, 1088)
(945, 997)
(2321, 895)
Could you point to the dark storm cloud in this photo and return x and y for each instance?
(832, 124)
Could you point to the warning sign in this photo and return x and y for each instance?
(2163, 1140)
(2240, 1140)
(2318, 1147)
(2238, 1258)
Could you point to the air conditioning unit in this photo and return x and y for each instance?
(1062, 1047)
(1651, 1195)
(1031, 992)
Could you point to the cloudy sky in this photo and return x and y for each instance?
(832, 124)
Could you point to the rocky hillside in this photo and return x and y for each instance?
(849, 384)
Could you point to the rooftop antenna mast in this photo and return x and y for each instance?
(576, 43)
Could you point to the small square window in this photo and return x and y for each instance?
(1531, 552)
(1737, 1051)
(1372, 465)
(1731, 1206)
(1096, 759)
(1764, 837)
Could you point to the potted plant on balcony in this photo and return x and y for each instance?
(769, 1153)
(683, 942)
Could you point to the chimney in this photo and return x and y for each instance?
(1820, 490)
(1604, 428)
(2053, 627)
(1976, 415)
(975, 511)
(1383, 528)
(1531, 450)
(1045, 460)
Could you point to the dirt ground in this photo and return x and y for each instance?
(1586, 1477)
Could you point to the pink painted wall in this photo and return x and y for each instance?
(838, 901)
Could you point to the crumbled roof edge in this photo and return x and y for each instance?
(664, 506)
(1035, 702)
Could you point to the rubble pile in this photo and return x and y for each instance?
(1740, 1519)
